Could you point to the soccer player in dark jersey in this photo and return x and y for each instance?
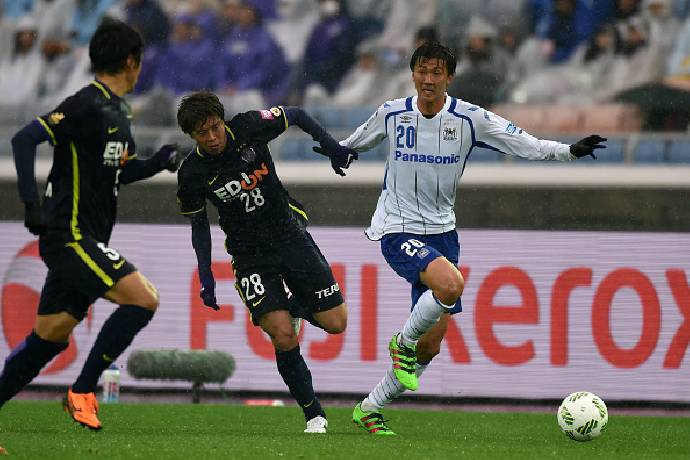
(94, 153)
(280, 272)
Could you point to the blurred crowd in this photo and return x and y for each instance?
(346, 52)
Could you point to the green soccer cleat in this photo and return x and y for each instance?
(373, 422)
(404, 361)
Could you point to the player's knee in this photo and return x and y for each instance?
(450, 289)
(284, 338)
(336, 325)
(150, 301)
(54, 331)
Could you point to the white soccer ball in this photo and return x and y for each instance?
(582, 416)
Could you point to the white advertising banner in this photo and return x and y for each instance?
(545, 313)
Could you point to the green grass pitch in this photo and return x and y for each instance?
(37, 430)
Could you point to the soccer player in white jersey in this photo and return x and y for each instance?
(431, 136)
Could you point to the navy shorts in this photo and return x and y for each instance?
(293, 274)
(79, 272)
(409, 254)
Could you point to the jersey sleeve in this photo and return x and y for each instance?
(262, 125)
(369, 134)
(497, 133)
(66, 121)
(191, 195)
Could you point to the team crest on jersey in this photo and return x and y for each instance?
(275, 111)
(55, 118)
(266, 114)
(450, 133)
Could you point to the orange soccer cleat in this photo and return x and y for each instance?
(83, 407)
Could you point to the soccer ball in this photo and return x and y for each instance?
(582, 416)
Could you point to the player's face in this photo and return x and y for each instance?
(431, 79)
(211, 136)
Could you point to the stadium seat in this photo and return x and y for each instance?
(528, 117)
(607, 118)
(298, 149)
(353, 117)
(562, 119)
(649, 151)
(483, 155)
(679, 151)
(614, 152)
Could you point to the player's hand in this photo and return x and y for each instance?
(341, 156)
(587, 146)
(33, 218)
(208, 289)
(169, 157)
(208, 295)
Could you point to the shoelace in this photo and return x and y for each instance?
(404, 352)
(375, 421)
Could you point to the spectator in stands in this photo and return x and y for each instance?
(251, 60)
(206, 15)
(330, 50)
(363, 83)
(678, 67)
(88, 15)
(566, 26)
(189, 61)
(295, 21)
(482, 66)
(150, 20)
(663, 26)
(20, 73)
(453, 16)
(227, 18)
(15, 9)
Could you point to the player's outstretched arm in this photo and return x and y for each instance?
(341, 156)
(24, 144)
(167, 157)
(201, 241)
(587, 146)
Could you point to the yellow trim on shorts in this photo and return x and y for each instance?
(298, 210)
(91, 263)
(74, 223)
(47, 128)
(193, 212)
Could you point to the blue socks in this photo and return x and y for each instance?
(24, 364)
(297, 377)
(117, 333)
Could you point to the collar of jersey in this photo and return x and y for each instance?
(203, 155)
(104, 89)
(446, 105)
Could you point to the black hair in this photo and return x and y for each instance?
(195, 108)
(111, 45)
(435, 50)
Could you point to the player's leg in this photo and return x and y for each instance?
(423, 261)
(48, 338)
(137, 300)
(100, 271)
(317, 296)
(263, 292)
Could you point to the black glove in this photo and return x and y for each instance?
(33, 218)
(208, 292)
(168, 157)
(341, 156)
(586, 146)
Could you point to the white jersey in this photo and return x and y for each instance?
(427, 157)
